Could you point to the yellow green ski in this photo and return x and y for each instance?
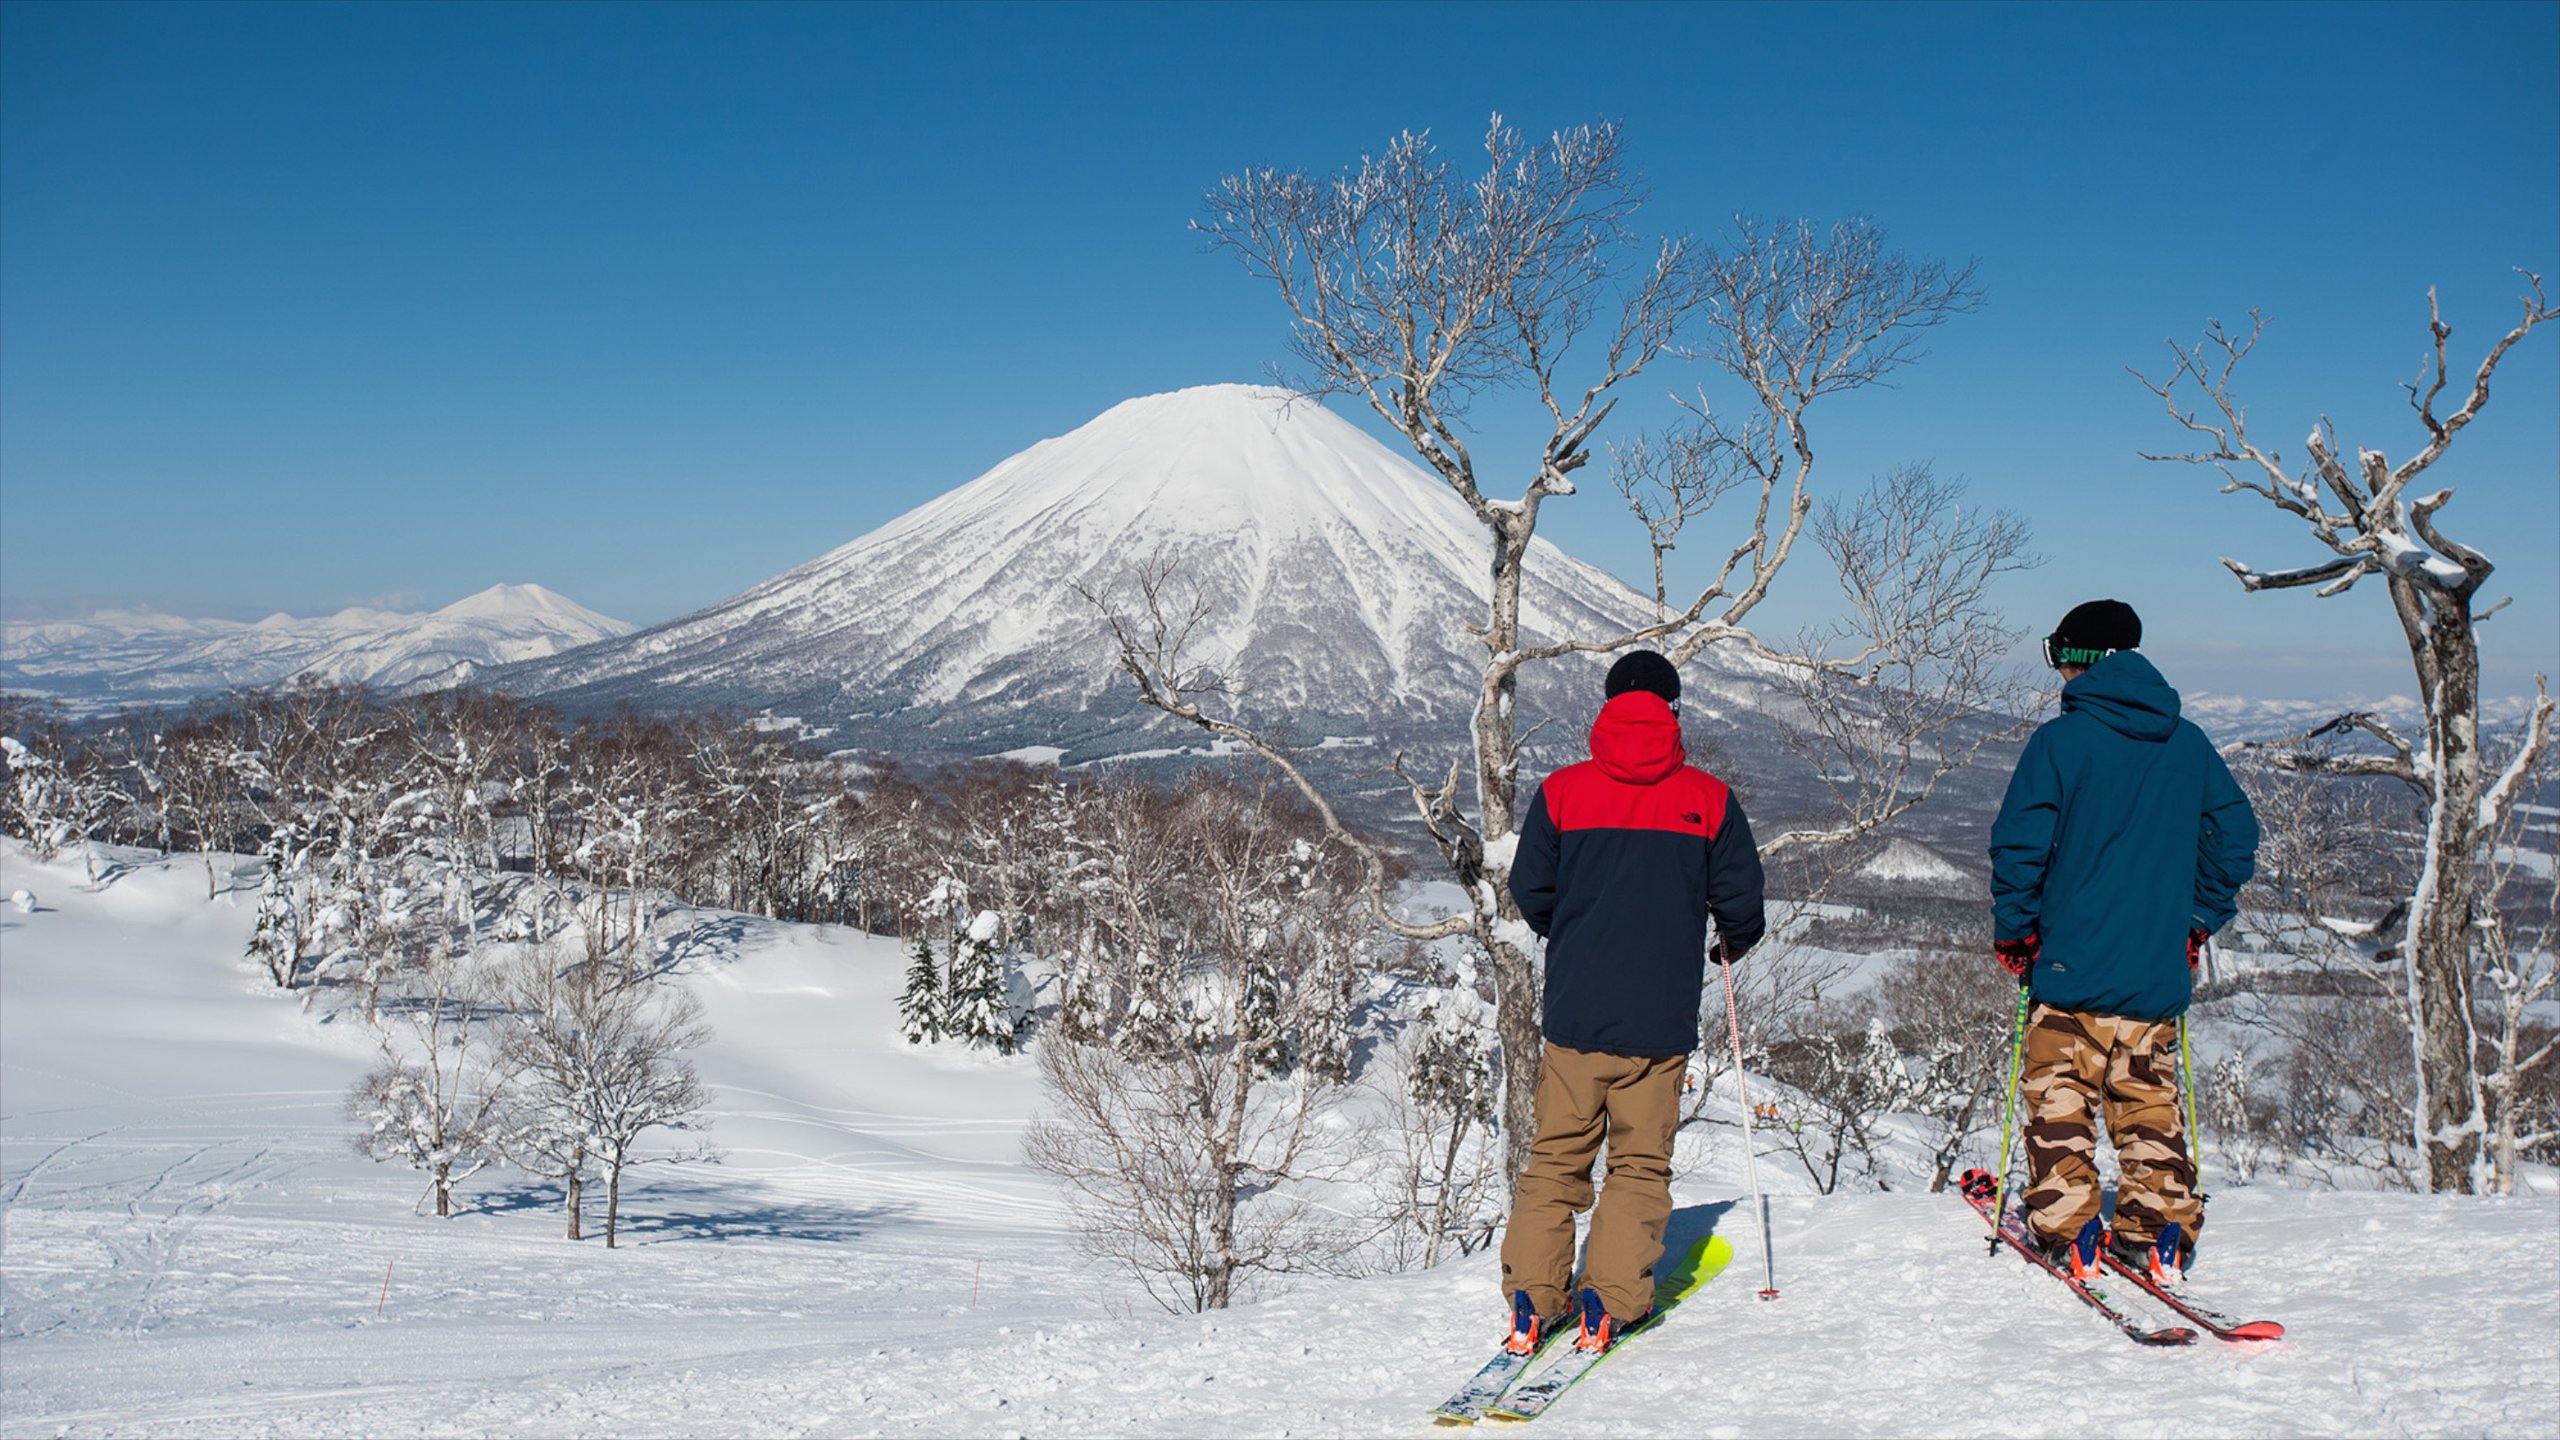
(1704, 1262)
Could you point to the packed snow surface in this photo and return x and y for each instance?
(188, 1247)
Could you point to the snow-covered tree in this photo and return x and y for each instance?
(1419, 291)
(1187, 1160)
(282, 934)
(58, 794)
(2519, 974)
(36, 801)
(599, 1061)
(1837, 1081)
(977, 1005)
(2366, 513)
(433, 1100)
(920, 1004)
(1438, 1160)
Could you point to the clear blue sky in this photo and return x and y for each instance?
(304, 305)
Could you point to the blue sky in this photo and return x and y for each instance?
(307, 305)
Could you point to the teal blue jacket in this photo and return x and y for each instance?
(2122, 829)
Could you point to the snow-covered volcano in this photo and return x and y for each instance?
(1334, 579)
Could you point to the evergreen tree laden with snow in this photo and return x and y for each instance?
(920, 1004)
(978, 1009)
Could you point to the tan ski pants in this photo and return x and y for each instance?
(2077, 1064)
(1585, 1097)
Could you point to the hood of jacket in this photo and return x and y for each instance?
(2125, 693)
(1637, 739)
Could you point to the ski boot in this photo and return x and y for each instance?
(1599, 1332)
(2164, 1261)
(1529, 1329)
(2078, 1256)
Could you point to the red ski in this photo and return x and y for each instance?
(2222, 1326)
(2012, 1232)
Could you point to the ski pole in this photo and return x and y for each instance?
(1750, 1163)
(2009, 1119)
(2187, 1083)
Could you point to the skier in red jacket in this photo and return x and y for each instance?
(1622, 861)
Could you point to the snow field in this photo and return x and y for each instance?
(189, 1247)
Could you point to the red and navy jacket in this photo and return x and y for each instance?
(1622, 858)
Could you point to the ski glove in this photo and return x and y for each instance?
(2016, 956)
(2195, 947)
(1720, 952)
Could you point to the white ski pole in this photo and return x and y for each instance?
(1750, 1162)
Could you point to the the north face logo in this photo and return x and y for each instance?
(1693, 817)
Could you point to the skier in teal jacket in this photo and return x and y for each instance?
(2120, 848)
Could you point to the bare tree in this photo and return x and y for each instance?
(2519, 937)
(1925, 680)
(2322, 920)
(1949, 1012)
(208, 776)
(1437, 1164)
(599, 1062)
(2365, 514)
(1416, 290)
(433, 1101)
(1190, 1134)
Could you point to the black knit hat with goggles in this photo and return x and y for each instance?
(2092, 632)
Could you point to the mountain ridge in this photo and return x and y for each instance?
(115, 657)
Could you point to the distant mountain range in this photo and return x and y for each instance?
(2228, 718)
(132, 657)
(1330, 580)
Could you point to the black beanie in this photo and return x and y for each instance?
(1643, 670)
(2100, 625)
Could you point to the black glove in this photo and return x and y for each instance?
(2019, 955)
(1720, 952)
(2195, 947)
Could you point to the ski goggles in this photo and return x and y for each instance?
(2058, 655)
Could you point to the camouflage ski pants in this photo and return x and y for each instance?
(1584, 1097)
(2075, 1062)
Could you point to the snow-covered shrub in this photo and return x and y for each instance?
(1192, 1136)
(1436, 1161)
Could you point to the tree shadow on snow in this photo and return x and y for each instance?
(657, 1212)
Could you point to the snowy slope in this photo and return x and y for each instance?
(187, 1248)
(119, 657)
(1334, 576)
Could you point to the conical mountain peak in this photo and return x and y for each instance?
(1334, 576)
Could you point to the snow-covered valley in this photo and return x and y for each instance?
(188, 1245)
